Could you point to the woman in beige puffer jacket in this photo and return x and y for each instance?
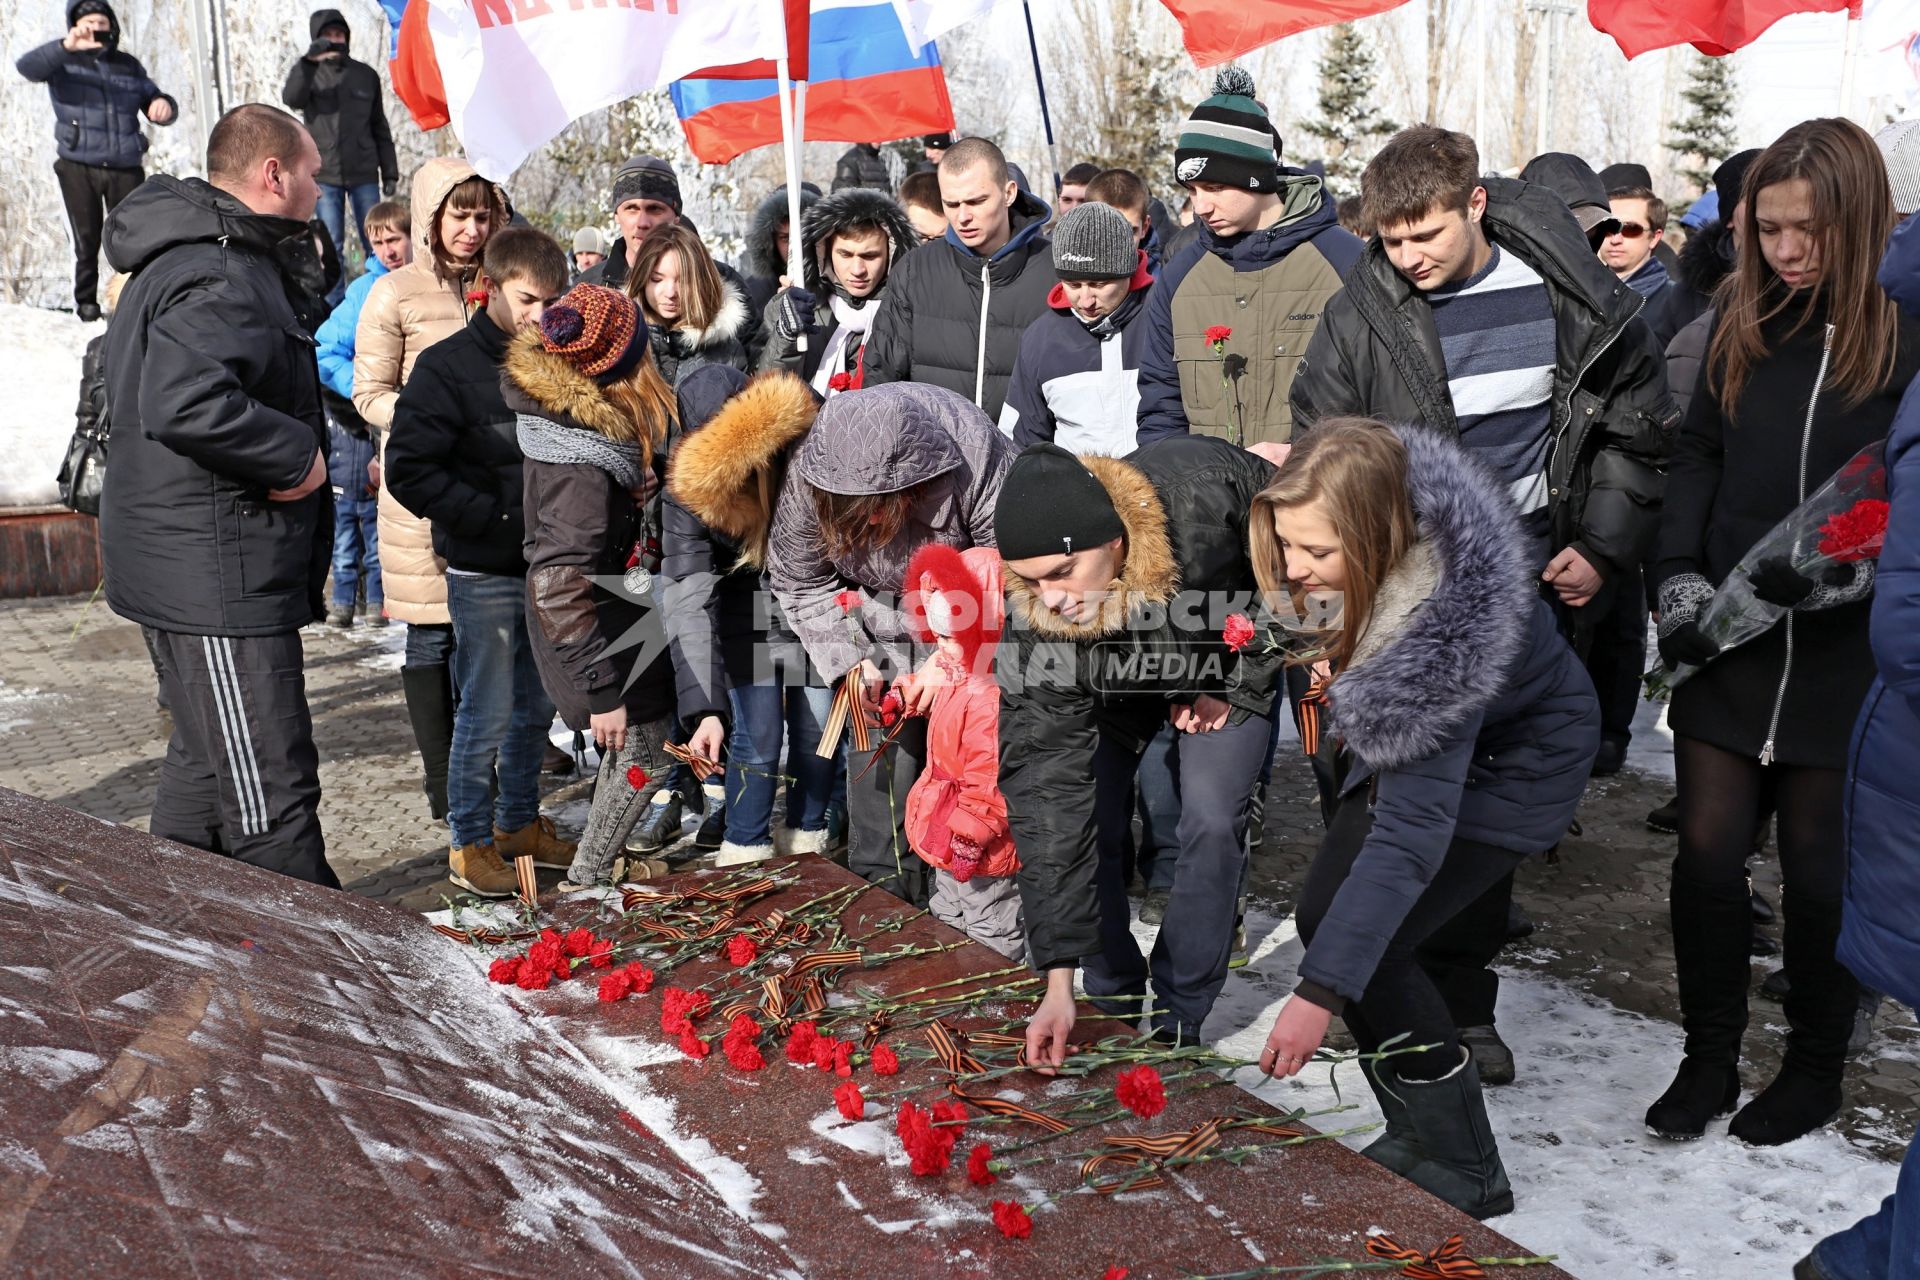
(407, 311)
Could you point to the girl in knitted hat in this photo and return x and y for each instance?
(594, 422)
(956, 816)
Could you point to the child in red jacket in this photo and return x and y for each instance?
(956, 816)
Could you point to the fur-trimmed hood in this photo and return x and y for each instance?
(728, 323)
(968, 583)
(537, 382)
(717, 472)
(1706, 258)
(762, 257)
(1448, 621)
(1149, 575)
(842, 211)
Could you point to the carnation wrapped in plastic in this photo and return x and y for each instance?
(1841, 523)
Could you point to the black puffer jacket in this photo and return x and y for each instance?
(597, 646)
(452, 455)
(1733, 479)
(98, 98)
(1377, 353)
(763, 264)
(930, 329)
(726, 628)
(340, 101)
(862, 165)
(826, 218)
(214, 398)
(1705, 261)
(1184, 502)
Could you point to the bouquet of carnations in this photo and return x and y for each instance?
(1819, 547)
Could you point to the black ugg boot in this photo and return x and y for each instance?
(1822, 999)
(1398, 1148)
(429, 692)
(1711, 928)
(1461, 1161)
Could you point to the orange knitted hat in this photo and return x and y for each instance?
(595, 329)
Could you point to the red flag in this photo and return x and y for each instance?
(1714, 27)
(416, 71)
(1218, 31)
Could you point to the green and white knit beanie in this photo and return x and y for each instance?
(1229, 139)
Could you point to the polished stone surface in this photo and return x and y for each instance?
(213, 1071)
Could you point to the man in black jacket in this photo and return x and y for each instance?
(862, 165)
(217, 522)
(453, 459)
(957, 306)
(99, 94)
(1121, 574)
(339, 97)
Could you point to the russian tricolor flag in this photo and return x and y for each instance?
(864, 84)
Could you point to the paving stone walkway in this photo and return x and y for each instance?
(79, 725)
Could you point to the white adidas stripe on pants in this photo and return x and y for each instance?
(237, 735)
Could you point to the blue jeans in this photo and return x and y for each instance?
(1158, 804)
(762, 715)
(333, 213)
(1884, 1245)
(356, 552)
(501, 720)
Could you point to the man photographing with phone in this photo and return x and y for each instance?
(99, 93)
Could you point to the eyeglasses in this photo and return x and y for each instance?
(1631, 230)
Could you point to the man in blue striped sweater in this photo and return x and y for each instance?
(1480, 309)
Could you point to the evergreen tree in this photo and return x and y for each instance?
(1705, 135)
(1349, 124)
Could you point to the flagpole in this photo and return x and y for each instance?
(1848, 58)
(790, 144)
(1040, 82)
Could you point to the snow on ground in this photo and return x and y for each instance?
(42, 350)
(1591, 1185)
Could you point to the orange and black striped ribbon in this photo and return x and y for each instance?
(485, 937)
(1311, 705)
(529, 887)
(702, 767)
(636, 896)
(878, 1025)
(1449, 1262)
(949, 1051)
(1135, 1152)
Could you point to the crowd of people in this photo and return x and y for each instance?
(1074, 504)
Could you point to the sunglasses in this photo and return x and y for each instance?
(1631, 230)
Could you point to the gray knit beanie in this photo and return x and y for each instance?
(1094, 242)
(645, 177)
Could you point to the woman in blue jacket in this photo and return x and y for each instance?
(1461, 729)
(1880, 916)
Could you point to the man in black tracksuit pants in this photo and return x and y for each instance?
(217, 522)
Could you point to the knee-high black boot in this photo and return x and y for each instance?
(1711, 927)
(1822, 996)
(429, 692)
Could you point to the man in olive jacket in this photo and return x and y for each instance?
(217, 522)
(956, 306)
(339, 98)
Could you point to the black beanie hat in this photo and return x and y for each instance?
(1728, 179)
(1051, 505)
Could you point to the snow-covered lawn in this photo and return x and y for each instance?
(41, 350)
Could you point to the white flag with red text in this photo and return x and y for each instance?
(517, 72)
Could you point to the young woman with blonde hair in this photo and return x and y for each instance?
(696, 315)
(1460, 728)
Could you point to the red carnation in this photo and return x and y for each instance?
(892, 706)
(1857, 533)
(843, 1057)
(885, 1061)
(743, 1053)
(617, 985)
(847, 1098)
(550, 956)
(1140, 1091)
(1114, 1273)
(533, 977)
(929, 1148)
(840, 381)
(848, 601)
(1012, 1219)
(823, 1053)
(600, 954)
(1217, 335)
(578, 942)
(800, 1042)
(693, 1046)
(951, 1117)
(637, 777)
(680, 1008)
(505, 970)
(641, 975)
(1238, 633)
(477, 297)
(741, 951)
(980, 1166)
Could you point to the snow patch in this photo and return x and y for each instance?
(36, 415)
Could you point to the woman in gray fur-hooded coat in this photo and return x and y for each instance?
(1464, 729)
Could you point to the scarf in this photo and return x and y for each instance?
(546, 441)
(852, 321)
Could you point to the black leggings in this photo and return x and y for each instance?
(1723, 800)
(1401, 996)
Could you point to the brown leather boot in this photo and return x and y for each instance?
(478, 869)
(538, 839)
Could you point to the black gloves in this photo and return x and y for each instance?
(388, 187)
(1686, 645)
(320, 48)
(1683, 599)
(1777, 582)
(795, 314)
